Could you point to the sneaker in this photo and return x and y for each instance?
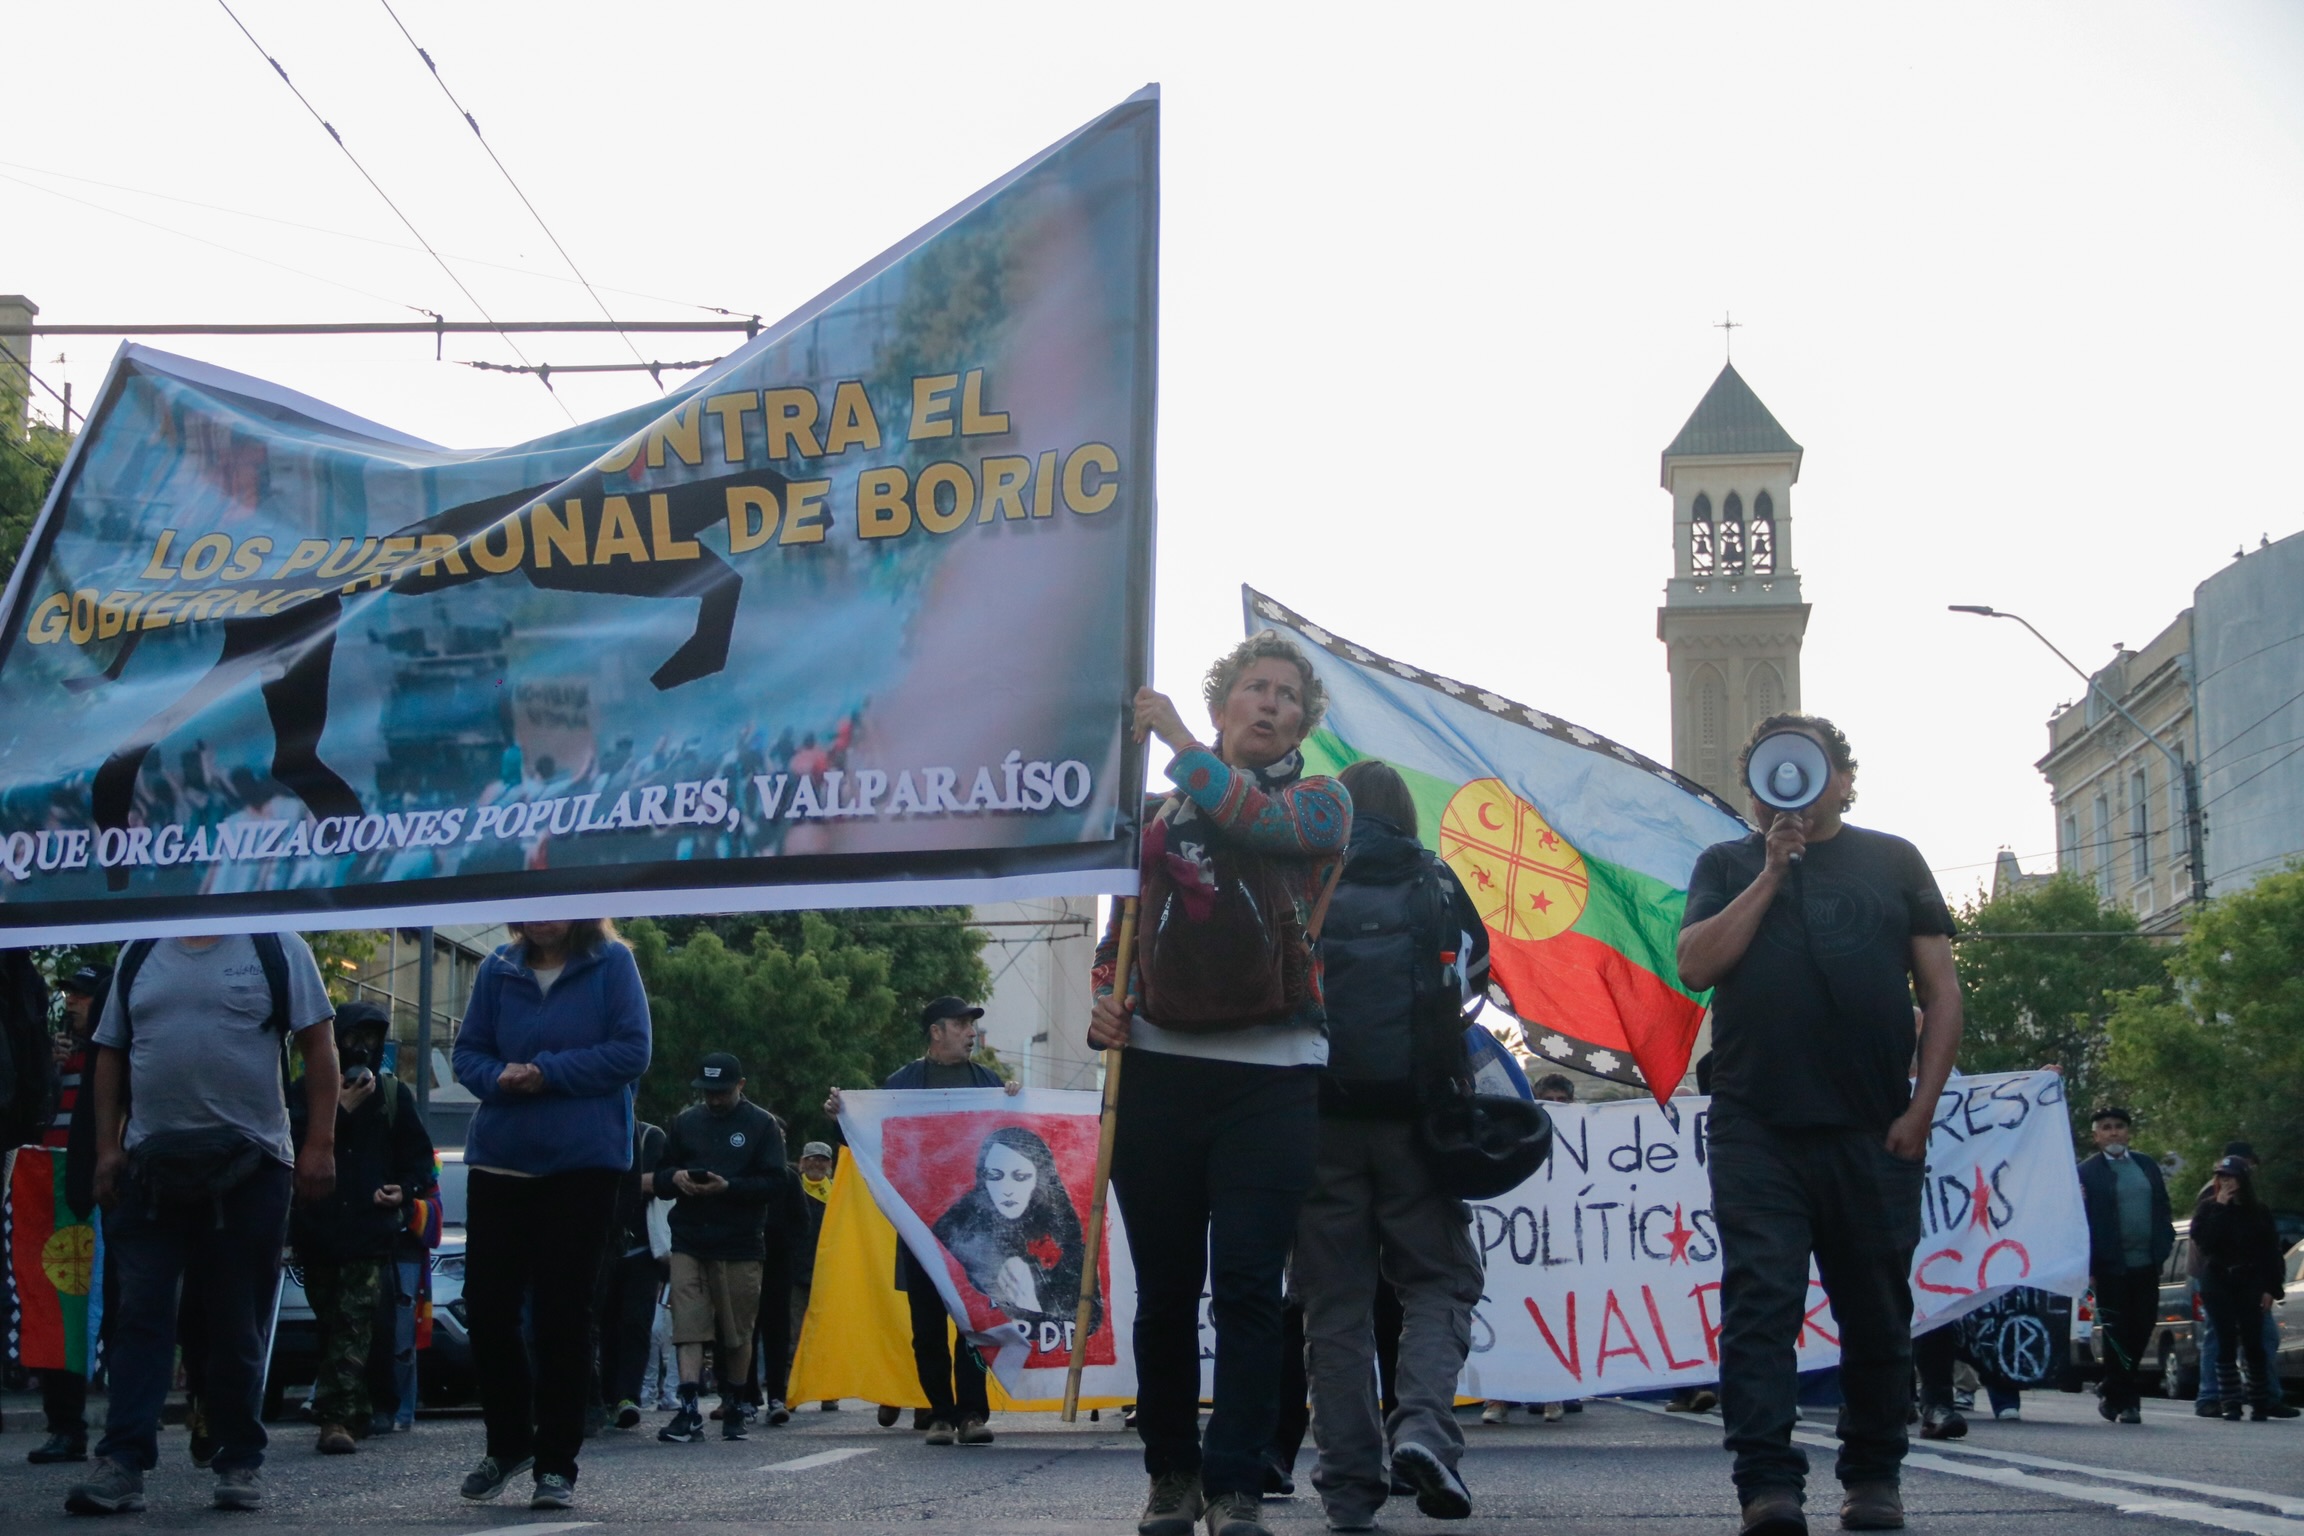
(1279, 1482)
(1235, 1514)
(2283, 1411)
(487, 1479)
(2207, 1407)
(110, 1488)
(1941, 1423)
(1439, 1491)
(686, 1428)
(1773, 1512)
(1963, 1400)
(2131, 1415)
(975, 1432)
(1173, 1509)
(1554, 1413)
(58, 1448)
(380, 1424)
(1703, 1400)
(627, 1414)
(1872, 1507)
(335, 1440)
(406, 1424)
(777, 1415)
(1338, 1521)
(941, 1433)
(239, 1488)
(887, 1416)
(732, 1423)
(553, 1492)
(2008, 1415)
(1496, 1413)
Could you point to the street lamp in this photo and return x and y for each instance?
(2185, 772)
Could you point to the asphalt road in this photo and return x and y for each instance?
(1617, 1468)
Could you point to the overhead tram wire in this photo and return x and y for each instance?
(473, 123)
(409, 223)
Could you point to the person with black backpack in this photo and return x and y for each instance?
(383, 1167)
(1403, 948)
(195, 1169)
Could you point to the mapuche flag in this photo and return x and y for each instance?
(1575, 850)
(51, 1260)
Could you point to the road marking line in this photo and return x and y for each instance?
(820, 1459)
(2122, 1499)
(545, 1528)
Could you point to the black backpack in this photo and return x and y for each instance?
(1395, 1007)
(27, 1064)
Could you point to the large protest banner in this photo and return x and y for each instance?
(1576, 850)
(990, 1191)
(1603, 1271)
(850, 617)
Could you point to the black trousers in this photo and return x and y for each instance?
(1210, 1163)
(2239, 1322)
(540, 1241)
(64, 1399)
(2127, 1305)
(1782, 1197)
(953, 1377)
(629, 1286)
(772, 1329)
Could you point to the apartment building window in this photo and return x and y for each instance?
(2101, 833)
(2070, 851)
(2179, 825)
(2140, 824)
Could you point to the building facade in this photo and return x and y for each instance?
(1732, 620)
(2248, 622)
(1040, 954)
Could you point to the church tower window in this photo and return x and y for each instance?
(1732, 535)
(1760, 538)
(1764, 692)
(1700, 537)
(1711, 727)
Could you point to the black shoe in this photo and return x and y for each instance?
(627, 1414)
(1174, 1507)
(2282, 1411)
(553, 1492)
(2131, 1414)
(687, 1427)
(2208, 1408)
(2108, 1409)
(203, 1444)
(1440, 1492)
(487, 1480)
(1235, 1514)
(1773, 1512)
(776, 1413)
(1278, 1484)
(58, 1448)
(732, 1422)
(887, 1416)
(1940, 1423)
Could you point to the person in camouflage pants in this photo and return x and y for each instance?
(384, 1165)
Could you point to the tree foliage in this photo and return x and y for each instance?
(806, 1000)
(2031, 1002)
(27, 468)
(2222, 1059)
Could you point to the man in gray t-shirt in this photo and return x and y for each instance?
(195, 1046)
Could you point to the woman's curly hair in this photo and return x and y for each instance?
(1217, 687)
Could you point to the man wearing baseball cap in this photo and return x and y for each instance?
(723, 1162)
(958, 1404)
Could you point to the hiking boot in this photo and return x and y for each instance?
(335, 1440)
(110, 1488)
(627, 1414)
(1872, 1507)
(58, 1448)
(975, 1432)
(777, 1415)
(732, 1422)
(1774, 1512)
(487, 1479)
(941, 1433)
(686, 1428)
(887, 1416)
(1235, 1514)
(1941, 1423)
(1440, 1492)
(239, 1488)
(553, 1492)
(1174, 1506)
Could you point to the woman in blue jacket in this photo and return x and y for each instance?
(554, 1038)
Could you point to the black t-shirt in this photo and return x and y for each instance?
(1813, 1027)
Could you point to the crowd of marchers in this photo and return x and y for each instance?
(1302, 1113)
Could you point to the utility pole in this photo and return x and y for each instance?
(424, 1029)
(2181, 769)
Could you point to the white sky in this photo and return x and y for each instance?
(1437, 286)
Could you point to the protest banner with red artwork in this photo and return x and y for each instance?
(1603, 1271)
(990, 1192)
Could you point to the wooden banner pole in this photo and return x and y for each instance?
(1124, 957)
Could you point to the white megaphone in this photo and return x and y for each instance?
(1788, 771)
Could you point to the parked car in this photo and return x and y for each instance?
(443, 1370)
(2288, 1312)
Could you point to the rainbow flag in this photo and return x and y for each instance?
(1576, 850)
(51, 1264)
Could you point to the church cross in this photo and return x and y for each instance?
(1729, 325)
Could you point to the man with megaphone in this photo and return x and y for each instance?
(1816, 936)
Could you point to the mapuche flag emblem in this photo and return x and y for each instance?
(1575, 850)
(51, 1265)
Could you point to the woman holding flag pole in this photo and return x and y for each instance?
(1217, 1118)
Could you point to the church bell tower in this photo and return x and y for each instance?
(1732, 619)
